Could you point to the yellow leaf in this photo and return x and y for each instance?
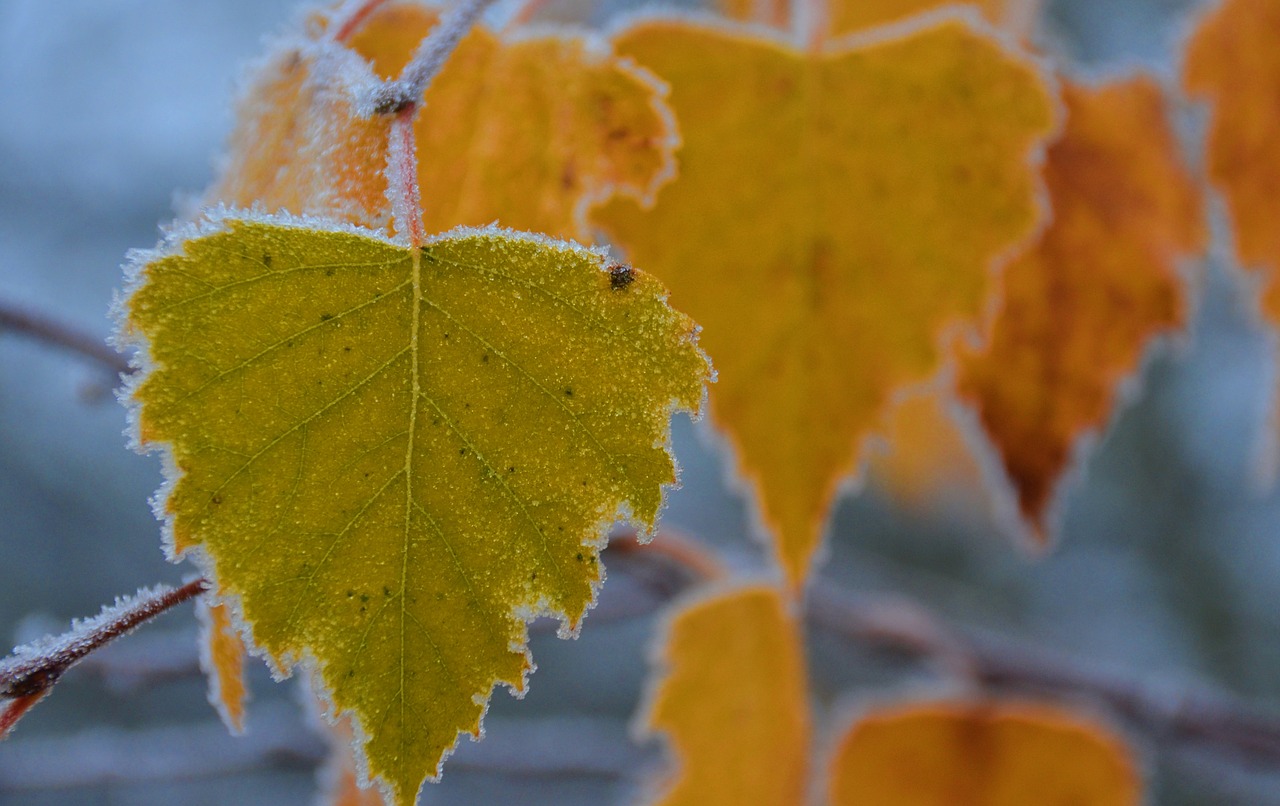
(571, 126)
(222, 655)
(980, 754)
(391, 457)
(1099, 286)
(837, 213)
(733, 702)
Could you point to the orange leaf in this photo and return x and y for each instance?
(1232, 61)
(836, 214)
(1083, 305)
(985, 754)
(222, 655)
(530, 132)
(733, 702)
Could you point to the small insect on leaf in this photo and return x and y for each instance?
(371, 519)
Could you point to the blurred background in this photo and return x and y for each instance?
(1167, 573)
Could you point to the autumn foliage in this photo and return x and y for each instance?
(889, 222)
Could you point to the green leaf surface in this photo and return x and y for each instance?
(391, 457)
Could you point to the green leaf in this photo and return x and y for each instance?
(392, 457)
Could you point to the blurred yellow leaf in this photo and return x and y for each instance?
(837, 214)
(529, 132)
(1102, 282)
(392, 457)
(980, 754)
(733, 702)
(222, 656)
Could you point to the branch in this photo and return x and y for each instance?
(33, 669)
(568, 747)
(43, 329)
(1180, 714)
(393, 97)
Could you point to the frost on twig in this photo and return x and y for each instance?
(393, 97)
(35, 667)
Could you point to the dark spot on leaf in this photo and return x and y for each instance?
(462, 451)
(484, 359)
(325, 317)
(328, 272)
(621, 276)
(266, 259)
(364, 597)
(511, 469)
(350, 594)
(568, 393)
(346, 349)
(386, 591)
(217, 499)
(578, 556)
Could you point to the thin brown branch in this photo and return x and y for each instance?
(35, 668)
(1167, 713)
(406, 92)
(49, 331)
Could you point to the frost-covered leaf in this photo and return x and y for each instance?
(528, 132)
(222, 656)
(390, 457)
(980, 754)
(836, 214)
(1082, 306)
(732, 702)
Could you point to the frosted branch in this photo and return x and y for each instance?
(393, 97)
(34, 668)
(47, 330)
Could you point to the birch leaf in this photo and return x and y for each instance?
(570, 126)
(980, 754)
(392, 457)
(837, 213)
(1082, 306)
(733, 702)
(1232, 62)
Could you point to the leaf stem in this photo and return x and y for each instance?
(31, 671)
(45, 329)
(393, 97)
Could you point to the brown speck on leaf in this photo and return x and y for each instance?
(621, 276)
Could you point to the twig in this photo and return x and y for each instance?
(577, 748)
(33, 669)
(1165, 712)
(393, 97)
(44, 329)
